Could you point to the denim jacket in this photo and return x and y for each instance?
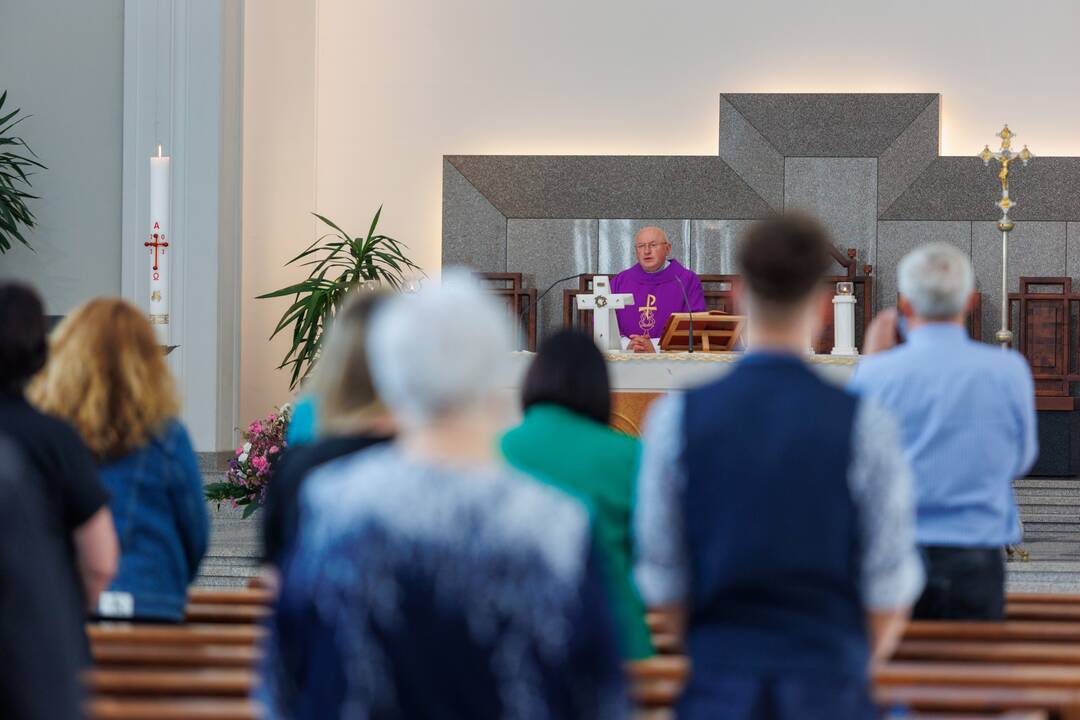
(162, 523)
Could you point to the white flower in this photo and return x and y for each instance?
(247, 449)
(243, 457)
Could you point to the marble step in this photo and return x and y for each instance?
(1069, 491)
(1043, 522)
(1050, 504)
(1036, 483)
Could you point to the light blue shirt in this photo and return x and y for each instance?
(967, 420)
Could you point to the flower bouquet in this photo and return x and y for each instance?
(250, 470)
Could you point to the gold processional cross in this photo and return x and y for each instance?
(1005, 156)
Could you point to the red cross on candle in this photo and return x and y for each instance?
(159, 242)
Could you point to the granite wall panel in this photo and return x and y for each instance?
(909, 155)
(1035, 248)
(474, 231)
(895, 239)
(714, 244)
(547, 250)
(842, 193)
(830, 124)
(616, 247)
(548, 186)
(748, 152)
(1072, 253)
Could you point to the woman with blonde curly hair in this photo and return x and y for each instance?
(107, 376)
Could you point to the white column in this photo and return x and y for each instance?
(182, 89)
(844, 321)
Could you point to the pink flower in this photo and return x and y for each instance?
(255, 428)
(259, 463)
(274, 449)
(239, 451)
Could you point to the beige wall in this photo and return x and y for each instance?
(279, 182)
(349, 105)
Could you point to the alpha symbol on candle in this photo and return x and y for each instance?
(155, 296)
(158, 242)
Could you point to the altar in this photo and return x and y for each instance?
(638, 379)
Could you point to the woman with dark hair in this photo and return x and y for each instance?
(565, 441)
(78, 503)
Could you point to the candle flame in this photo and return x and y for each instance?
(159, 150)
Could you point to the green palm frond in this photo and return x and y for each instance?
(337, 264)
(17, 162)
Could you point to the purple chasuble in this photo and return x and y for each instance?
(656, 296)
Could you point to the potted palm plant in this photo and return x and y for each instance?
(16, 163)
(339, 264)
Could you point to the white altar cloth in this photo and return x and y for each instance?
(630, 372)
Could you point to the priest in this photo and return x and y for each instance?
(660, 287)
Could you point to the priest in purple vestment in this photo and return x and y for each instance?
(660, 287)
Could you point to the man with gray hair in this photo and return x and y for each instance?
(967, 417)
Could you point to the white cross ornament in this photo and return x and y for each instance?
(604, 304)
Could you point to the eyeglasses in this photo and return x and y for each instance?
(650, 246)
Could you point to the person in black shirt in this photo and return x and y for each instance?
(351, 419)
(41, 620)
(78, 504)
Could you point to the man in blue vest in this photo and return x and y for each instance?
(774, 517)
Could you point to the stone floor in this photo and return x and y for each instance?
(1050, 508)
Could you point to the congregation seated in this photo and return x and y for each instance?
(774, 516)
(107, 376)
(77, 503)
(967, 417)
(565, 440)
(350, 415)
(429, 580)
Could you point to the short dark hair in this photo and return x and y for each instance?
(23, 337)
(570, 371)
(784, 258)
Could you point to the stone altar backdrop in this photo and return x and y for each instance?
(867, 164)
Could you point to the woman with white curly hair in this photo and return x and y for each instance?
(429, 579)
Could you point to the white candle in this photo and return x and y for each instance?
(159, 244)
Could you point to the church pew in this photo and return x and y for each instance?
(235, 596)
(992, 652)
(906, 672)
(107, 654)
(121, 708)
(1042, 611)
(1014, 715)
(1026, 597)
(200, 682)
(226, 613)
(1010, 631)
(1062, 704)
(191, 634)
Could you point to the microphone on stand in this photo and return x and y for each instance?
(549, 288)
(689, 310)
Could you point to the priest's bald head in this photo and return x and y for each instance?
(652, 248)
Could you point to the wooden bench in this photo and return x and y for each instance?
(192, 634)
(108, 654)
(226, 613)
(123, 708)
(239, 596)
(157, 682)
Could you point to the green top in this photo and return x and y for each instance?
(599, 466)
